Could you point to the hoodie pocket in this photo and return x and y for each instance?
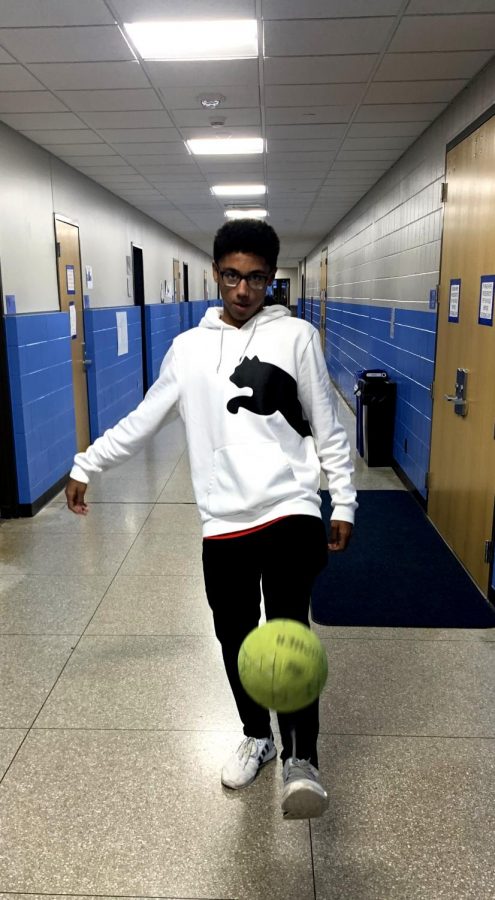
(249, 478)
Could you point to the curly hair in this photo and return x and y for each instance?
(247, 236)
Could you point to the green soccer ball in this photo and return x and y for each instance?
(282, 665)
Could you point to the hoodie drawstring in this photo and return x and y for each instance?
(221, 345)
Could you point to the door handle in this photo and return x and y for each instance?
(459, 398)
(87, 363)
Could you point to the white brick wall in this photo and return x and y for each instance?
(387, 249)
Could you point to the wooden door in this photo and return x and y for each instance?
(176, 276)
(462, 467)
(70, 297)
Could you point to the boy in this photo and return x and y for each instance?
(252, 388)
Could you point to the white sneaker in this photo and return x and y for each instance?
(242, 767)
(303, 795)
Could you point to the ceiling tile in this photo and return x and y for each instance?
(363, 165)
(370, 154)
(319, 156)
(313, 95)
(54, 12)
(428, 7)
(288, 146)
(414, 91)
(325, 37)
(208, 74)
(151, 148)
(308, 115)
(431, 33)
(17, 78)
(84, 151)
(171, 170)
(418, 66)
(51, 45)
(328, 69)
(383, 129)
(400, 112)
(305, 132)
(236, 96)
(376, 143)
(96, 75)
(233, 130)
(327, 9)
(61, 136)
(289, 186)
(239, 117)
(29, 101)
(142, 135)
(33, 121)
(127, 120)
(100, 171)
(145, 10)
(5, 57)
(159, 174)
(130, 178)
(114, 102)
(96, 163)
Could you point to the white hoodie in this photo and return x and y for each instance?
(259, 417)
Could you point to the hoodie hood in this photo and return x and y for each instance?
(212, 319)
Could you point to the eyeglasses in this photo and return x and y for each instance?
(255, 280)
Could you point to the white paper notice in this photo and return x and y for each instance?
(122, 337)
(486, 300)
(455, 290)
(73, 320)
(89, 277)
(71, 283)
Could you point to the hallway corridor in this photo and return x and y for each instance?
(116, 717)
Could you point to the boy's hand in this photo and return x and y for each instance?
(75, 491)
(340, 535)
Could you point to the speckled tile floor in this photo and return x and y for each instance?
(115, 717)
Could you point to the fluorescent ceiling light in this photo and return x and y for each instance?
(238, 190)
(224, 146)
(220, 39)
(246, 213)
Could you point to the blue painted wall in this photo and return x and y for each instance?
(115, 383)
(162, 324)
(364, 337)
(40, 374)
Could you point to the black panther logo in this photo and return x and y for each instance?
(273, 389)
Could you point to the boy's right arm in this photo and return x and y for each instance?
(127, 437)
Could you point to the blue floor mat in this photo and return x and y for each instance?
(396, 572)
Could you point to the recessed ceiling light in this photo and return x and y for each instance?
(214, 39)
(246, 213)
(224, 146)
(238, 190)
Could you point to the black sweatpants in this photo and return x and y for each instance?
(283, 559)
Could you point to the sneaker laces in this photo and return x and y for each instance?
(300, 768)
(246, 749)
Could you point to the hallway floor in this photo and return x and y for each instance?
(115, 718)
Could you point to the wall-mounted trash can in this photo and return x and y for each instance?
(375, 413)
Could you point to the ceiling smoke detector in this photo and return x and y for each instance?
(211, 101)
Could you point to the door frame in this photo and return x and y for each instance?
(477, 123)
(59, 217)
(9, 494)
(139, 299)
